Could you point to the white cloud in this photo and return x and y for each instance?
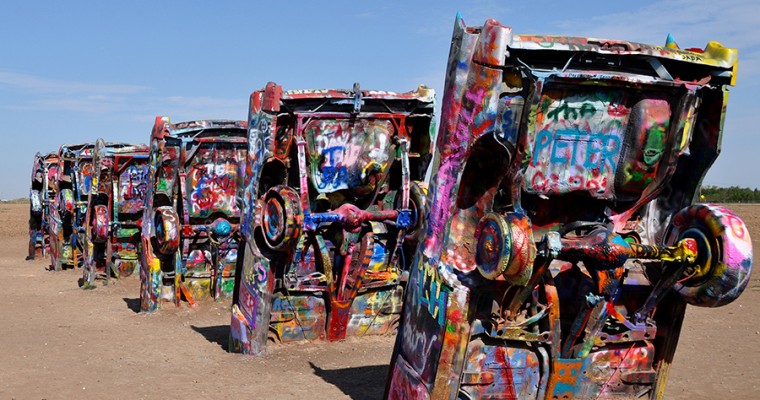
(203, 102)
(184, 108)
(693, 23)
(365, 14)
(82, 104)
(35, 84)
(689, 21)
(35, 93)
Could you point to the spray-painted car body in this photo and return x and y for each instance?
(561, 244)
(192, 210)
(334, 182)
(115, 210)
(41, 192)
(67, 212)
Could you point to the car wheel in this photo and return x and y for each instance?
(281, 217)
(505, 247)
(724, 254)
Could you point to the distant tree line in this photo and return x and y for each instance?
(732, 194)
(21, 200)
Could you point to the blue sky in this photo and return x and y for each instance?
(75, 71)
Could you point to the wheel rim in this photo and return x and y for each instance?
(273, 221)
(281, 218)
(493, 250)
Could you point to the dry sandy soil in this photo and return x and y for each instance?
(60, 342)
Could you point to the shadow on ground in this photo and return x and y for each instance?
(358, 383)
(132, 304)
(219, 334)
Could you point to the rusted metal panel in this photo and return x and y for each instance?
(561, 243)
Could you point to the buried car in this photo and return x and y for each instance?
(67, 212)
(115, 207)
(42, 190)
(192, 211)
(334, 189)
(561, 243)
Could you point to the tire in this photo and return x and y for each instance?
(494, 245)
(505, 247)
(724, 255)
(281, 218)
(417, 202)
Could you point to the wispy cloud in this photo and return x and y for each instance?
(85, 104)
(182, 108)
(734, 23)
(36, 93)
(36, 84)
(692, 22)
(365, 14)
(202, 102)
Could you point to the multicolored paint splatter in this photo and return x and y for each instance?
(331, 215)
(343, 152)
(580, 136)
(212, 182)
(561, 245)
(191, 216)
(115, 207)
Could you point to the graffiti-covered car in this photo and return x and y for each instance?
(561, 243)
(192, 211)
(68, 209)
(334, 189)
(42, 191)
(115, 209)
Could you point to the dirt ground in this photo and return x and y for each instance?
(60, 342)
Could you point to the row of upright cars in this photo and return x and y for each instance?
(550, 255)
(86, 207)
(324, 188)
